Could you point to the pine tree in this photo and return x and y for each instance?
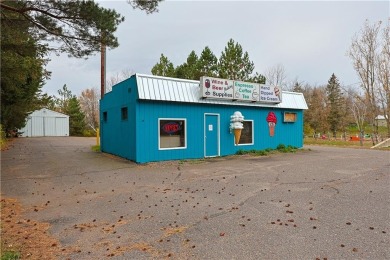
(76, 25)
(189, 69)
(164, 67)
(334, 104)
(234, 63)
(257, 78)
(63, 101)
(76, 117)
(208, 63)
(22, 69)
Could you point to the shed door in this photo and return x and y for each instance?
(49, 126)
(37, 126)
(60, 126)
(211, 138)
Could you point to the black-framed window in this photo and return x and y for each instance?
(247, 133)
(172, 133)
(105, 116)
(124, 114)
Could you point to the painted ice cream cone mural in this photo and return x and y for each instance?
(236, 125)
(271, 119)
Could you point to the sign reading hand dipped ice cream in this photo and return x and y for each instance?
(236, 125)
(270, 94)
(271, 119)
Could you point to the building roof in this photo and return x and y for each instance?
(380, 117)
(189, 91)
(44, 112)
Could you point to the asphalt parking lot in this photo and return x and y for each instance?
(320, 203)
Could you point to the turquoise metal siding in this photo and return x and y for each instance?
(148, 113)
(137, 138)
(117, 135)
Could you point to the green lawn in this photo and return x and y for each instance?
(367, 143)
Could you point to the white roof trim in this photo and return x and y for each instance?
(50, 113)
(380, 117)
(159, 88)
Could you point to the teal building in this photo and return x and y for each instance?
(149, 118)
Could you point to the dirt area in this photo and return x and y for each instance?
(29, 237)
(32, 240)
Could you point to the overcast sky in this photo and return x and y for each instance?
(309, 38)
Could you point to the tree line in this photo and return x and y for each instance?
(332, 107)
(233, 63)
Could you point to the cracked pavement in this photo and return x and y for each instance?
(320, 203)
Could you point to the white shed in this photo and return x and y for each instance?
(45, 122)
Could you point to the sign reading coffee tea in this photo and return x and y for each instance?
(246, 91)
(238, 90)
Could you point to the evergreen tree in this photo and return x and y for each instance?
(234, 63)
(334, 104)
(63, 101)
(192, 71)
(76, 117)
(164, 68)
(22, 70)
(189, 69)
(207, 63)
(257, 78)
(76, 25)
(180, 71)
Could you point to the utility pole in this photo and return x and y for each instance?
(102, 68)
(102, 85)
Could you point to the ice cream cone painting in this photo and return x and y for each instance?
(236, 124)
(271, 119)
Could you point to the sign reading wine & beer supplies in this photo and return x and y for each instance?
(216, 88)
(270, 94)
(246, 91)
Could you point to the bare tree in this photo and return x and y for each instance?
(295, 85)
(89, 103)
(118, 77)
(276, 75)
(358, 107)
(383, 76)
(364, 53)
(317, 113)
